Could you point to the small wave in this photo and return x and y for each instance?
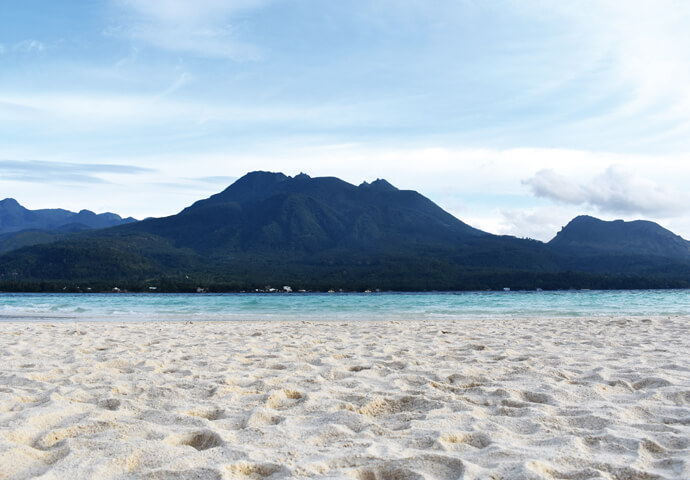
(400, 306)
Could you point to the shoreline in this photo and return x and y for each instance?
(326, 319)
(575, 397)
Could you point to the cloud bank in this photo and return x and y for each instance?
(617, 190)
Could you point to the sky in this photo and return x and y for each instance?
(513, 115)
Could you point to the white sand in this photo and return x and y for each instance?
(604, 398)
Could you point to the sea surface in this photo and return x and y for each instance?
(339, 306)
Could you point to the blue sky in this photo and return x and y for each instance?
(513, 115)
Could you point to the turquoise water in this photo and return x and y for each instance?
(335, 306)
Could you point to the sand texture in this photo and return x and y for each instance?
(605, 398)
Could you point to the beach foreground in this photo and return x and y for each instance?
(505, 398)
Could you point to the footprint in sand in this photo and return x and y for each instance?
(359, 368)
(209, 413)
(254, 470)
(194, 474)
(422, 467)
(381, 406)
(473, 439)
(537, 397)
(200, 440)
(651, 382)
(284, 399)
(262, 419)
(109, 403)
(17, 461)
(466, 381)
(387, 473)
(55, 438)
(652, 448)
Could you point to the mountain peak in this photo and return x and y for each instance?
(9, 203)
(263, 174)
(251, 186)
(582, 225)
(260, 179)
(379, 185)
(583, 220)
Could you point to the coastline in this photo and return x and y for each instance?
(585, 397)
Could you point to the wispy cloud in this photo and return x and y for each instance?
(182, 80)
(218, 179)
(92, 111)
(646, 67)
(617, 190)
(28, 46)
(38, 171)
(24, 46)
(201, 27)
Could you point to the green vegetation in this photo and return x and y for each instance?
(320, 234)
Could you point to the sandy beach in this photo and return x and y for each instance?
(593, 398)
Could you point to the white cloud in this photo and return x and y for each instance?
(29, 46)
(549, 184)
(617, 190)
(541, 223)
(200, 27)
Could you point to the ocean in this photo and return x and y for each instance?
(340, 306)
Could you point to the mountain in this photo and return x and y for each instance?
(15, 218)
(21, 227)
(639, 247)
(321, 233)
(269, 212)
(589, 235)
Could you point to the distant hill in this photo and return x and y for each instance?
(589, 235)
(321, 233)
(15, 218)
(20, 226)
(640, 247)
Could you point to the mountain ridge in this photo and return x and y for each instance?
(321, 233)
(263, 209)
(14, 218)
(20, 226)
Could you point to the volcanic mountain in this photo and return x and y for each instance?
(321, 233)
(270, 212)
